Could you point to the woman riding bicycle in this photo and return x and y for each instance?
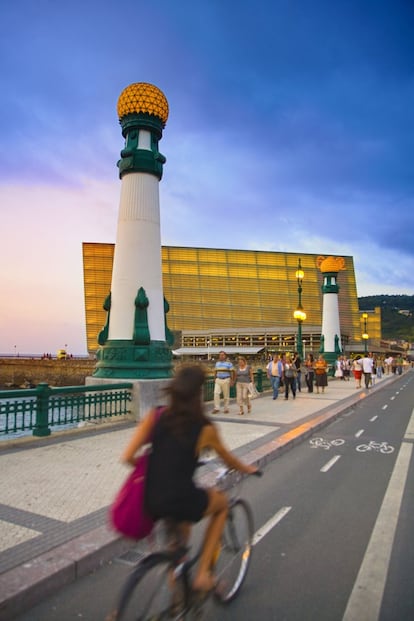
(179, 435)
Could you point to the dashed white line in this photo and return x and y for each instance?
(384, 407)
(359, 433)
(371, 420)
(330, 463)
(263, 530)
(392, 398)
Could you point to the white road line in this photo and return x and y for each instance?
(384, 407)
(261, 532)
(371, 420)
(392, 398)
(409, 432)
(330, 463)
(359, 433)
(367, 593)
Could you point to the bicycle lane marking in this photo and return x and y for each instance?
(271, 523)
(367, 593)
(330, 463)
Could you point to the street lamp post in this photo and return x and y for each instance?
(365, 334)
(299, 313)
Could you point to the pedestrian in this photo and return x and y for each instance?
(179, 435)
(367, 368)
(224, 378)
(357, 370)
(297, 361)
(339, 371)
(274, 373)
(321, 373)
(309, 373)
(244, 377)
(347, 369)
(378, 362)
(388, 364)
(289, 377)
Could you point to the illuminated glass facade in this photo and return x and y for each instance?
(231, 294)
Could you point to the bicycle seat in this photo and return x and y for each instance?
(173, 535)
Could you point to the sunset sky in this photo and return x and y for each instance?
(290, 129)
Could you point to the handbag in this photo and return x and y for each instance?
(252, 391)
(127, 513)
(290, 372)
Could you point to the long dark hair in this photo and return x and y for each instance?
(186, 405)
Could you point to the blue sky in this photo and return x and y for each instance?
(290, 129)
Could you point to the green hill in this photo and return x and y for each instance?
(394, 324)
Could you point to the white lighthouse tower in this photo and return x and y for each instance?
(135, 342)
(331, 346)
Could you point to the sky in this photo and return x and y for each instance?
(290, 129)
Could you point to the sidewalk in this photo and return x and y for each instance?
(55, 491)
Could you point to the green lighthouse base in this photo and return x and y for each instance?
(122, 359)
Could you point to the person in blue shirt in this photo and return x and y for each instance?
(224, 378)
(274, 373)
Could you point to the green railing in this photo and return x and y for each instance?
(43, 407)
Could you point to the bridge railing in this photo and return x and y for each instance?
(38, 409)
(44, 407)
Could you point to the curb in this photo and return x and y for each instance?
(26, 585)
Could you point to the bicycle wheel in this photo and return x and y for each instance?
(233, 557)
(148, 594)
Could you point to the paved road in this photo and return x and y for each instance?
(55, 492)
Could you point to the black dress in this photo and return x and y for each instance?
(170, 491)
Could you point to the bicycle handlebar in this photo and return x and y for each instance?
(228, 471)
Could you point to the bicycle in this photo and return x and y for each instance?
(159, 587)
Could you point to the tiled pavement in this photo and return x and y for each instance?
(54, 492)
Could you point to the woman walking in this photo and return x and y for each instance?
(357, 370)
(321, 374)
(244, 377)
(310, 373)
(289, 377)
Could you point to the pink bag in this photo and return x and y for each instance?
(127, 514)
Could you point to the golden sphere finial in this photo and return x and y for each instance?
(145, 98)
(330, 264)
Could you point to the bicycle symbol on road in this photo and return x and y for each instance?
(325, 444)
(379, 447)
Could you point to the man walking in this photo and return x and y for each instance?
(367, 368)
(274, 373)
(224, 378)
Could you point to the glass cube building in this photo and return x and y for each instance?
(238, 299)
